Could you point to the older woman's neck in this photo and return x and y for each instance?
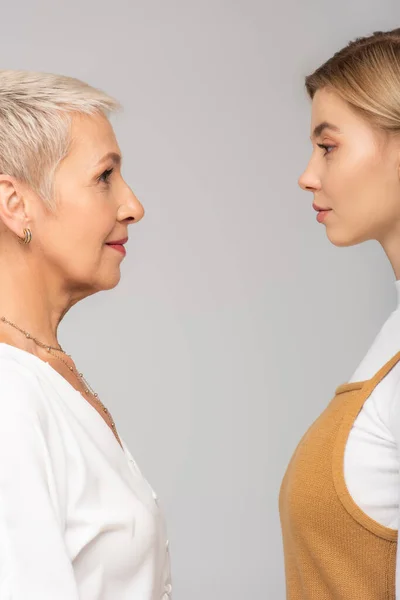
(31, 299)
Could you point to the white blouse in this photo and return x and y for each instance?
(78, 521)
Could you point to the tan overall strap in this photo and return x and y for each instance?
(371, 384)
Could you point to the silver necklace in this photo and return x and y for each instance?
(79, 376)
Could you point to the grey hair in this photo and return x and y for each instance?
(35, 122)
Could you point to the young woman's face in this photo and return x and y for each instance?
(353, 174)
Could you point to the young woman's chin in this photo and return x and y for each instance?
(343, 237)
(340, 241)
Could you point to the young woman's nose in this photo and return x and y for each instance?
(308, 180)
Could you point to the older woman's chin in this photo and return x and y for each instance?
(110, 282)
(107, 281)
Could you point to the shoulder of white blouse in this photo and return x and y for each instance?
(20, 388)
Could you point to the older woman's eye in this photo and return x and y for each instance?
(105, 176)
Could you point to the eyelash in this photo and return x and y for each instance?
(106, 175)
(325, 147)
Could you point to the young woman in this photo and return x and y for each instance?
(340, 496)
(78, 521)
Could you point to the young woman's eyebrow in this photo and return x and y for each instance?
(319, 129)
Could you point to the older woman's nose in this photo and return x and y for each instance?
(132, 208)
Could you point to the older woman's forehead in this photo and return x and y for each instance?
(93, 139)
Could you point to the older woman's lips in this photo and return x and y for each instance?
(118, 247)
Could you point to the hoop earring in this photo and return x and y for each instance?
(27, 236)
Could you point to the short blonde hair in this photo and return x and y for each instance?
(366, 74)
(35, 123)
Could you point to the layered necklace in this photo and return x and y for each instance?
(82, 380)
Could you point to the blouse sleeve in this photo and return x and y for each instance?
(34, 562)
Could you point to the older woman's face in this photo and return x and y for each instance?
(95, 207)
(353, 172)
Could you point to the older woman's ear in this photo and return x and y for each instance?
(14, 207)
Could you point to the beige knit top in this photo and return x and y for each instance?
(332, 549)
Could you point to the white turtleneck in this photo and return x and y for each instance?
(371, 462)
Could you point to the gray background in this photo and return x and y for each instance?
(235, 318)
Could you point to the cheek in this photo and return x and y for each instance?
(78, 244)
(89, 229)
(360, 185)
(365, 202)
(73, 241)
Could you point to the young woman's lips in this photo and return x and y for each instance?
(322, 213)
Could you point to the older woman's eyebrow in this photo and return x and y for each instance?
(113, 156)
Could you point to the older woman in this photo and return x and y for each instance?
(77, 518)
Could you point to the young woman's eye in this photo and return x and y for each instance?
(105, 176)
(326, 147)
